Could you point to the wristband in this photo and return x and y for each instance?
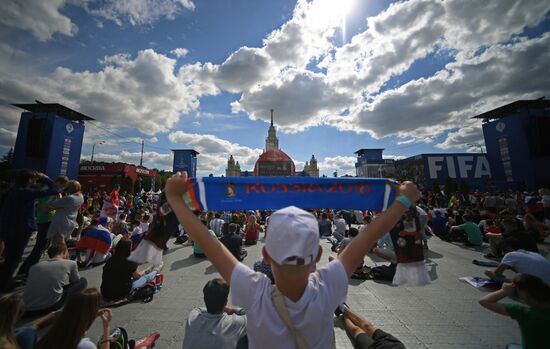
(404, 200)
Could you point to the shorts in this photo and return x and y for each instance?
(379, 340)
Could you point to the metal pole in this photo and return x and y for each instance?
(141, 159)
(93, 149)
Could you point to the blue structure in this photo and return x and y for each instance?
(49, 139)
(185, 160)
(370, 163)
(517, 138)
(424, 169)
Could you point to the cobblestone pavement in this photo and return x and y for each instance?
(444, 314)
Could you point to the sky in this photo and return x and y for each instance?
(406, 76)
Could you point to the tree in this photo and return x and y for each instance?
(435, 186)
(128, 185)
(137, 186)
(450, 186)
(464, 188)
(147, 183)
(114, 181)
(5, 162)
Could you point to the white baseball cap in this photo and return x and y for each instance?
(292, 236)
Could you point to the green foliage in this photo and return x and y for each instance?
(464, 188)
(435, 187)
(450, 186)
(127, 185)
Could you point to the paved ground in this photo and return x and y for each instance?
(442, 315)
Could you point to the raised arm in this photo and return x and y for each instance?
(38, 193)
(491, 301)
(216, 252)
(353, 254)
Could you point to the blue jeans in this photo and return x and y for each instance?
(145, 279)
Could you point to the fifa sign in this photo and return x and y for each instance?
(458, 166)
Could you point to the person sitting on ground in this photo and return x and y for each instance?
(340, 227)
(468, 232)
(217, 325)
(325, 225)
(66, 211)
(524, 262)
(535, 228)
(233, 242)
(533, 319)
(292, 248)
(197, 251)
(51, 281)
(514, 238)
(120, 225)
(251, 231)
(359, 272)
(12, 308)
(265, 268)
(97, 241)
(216, 224)
(120, 276)
(364, 334)
(439, 223)
(75, 319)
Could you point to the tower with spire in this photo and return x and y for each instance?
(271, 142)
(233, 169)
(311, 167)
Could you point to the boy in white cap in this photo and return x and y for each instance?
(296, 312)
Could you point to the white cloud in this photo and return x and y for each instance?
(144, 92)
(464, 137)
(301, 99)
(138, 12)
(42, 18)
(7, 138)
(180, 52)
(150, 159)
(427, 107)
(214, 151)
(343, 164)
(153, 140)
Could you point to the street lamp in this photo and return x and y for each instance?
(93, 149)
(476, 145)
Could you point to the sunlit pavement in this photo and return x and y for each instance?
(442, 315)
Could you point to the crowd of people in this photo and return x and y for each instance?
(286, 300)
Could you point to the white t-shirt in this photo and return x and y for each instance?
(312, 315)
(527, 262)
(340, 226)
(86, 343)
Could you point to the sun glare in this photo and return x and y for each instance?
(332, 12)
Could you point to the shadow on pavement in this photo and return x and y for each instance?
(187, 262)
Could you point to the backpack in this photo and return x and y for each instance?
(144, 294)
(119, 339)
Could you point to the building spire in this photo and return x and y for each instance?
(271, 110)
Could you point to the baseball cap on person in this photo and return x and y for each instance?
(104, 220)
(292, 237)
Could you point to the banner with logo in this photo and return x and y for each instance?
(271, 193)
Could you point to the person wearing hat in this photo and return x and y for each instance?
(297, 311)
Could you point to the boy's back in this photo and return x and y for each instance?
(312, 315)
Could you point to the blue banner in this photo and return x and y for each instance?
(271, 193)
